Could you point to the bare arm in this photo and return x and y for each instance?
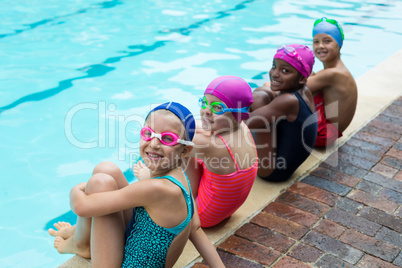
(76, 196)
(284, 105)
(141, 193)
(203, 245)
(321, 80)
(266, 88)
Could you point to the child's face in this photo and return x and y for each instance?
(325, 47)
(284, 77)
(216, 122)
(158, 157)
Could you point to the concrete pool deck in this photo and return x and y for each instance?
(378, 89)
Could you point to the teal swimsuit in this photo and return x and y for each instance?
(147, 243)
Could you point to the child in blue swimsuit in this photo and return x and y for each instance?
(282, 117)
(146, 223)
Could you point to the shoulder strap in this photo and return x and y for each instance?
(189, 200)
(301, 100)
(297, 94)
(230, 151)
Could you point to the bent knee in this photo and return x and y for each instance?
(106, 167)
(101, 182)
(264, 172)
(261, 98)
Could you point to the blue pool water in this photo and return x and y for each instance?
(77, 78)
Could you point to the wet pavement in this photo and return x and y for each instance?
(345, 213)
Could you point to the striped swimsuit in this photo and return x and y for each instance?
(219, 196)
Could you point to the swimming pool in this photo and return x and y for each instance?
(77, 77)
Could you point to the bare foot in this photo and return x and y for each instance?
(64, 229)
(64, 246)
(141, 171)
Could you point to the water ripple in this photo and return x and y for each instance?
(97, 70)
(31, 26)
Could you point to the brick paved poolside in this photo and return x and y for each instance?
(345, 213)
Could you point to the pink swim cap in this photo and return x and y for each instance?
(299, 56)
(234, 91)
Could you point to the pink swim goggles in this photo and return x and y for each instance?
(291, 51)
(166, 138)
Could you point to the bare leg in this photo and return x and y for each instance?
(194, 171)
(107, 234)
(264, 138)
(106, 177)
(79, 243)
(266, 150)
(100, 238)
(121, 181)
(261, 97)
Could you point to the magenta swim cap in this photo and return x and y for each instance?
(299, 56)
(234, 91)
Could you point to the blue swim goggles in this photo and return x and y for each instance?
(220, 107)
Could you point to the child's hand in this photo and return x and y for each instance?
(76, 193)
(267, 84)
(141, 172)
(79, 187)
(82, 186)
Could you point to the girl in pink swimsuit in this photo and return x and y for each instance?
(225, 164)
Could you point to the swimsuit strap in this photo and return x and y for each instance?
(301, 100)
(297, 94)
(230, 151)
(189, 200)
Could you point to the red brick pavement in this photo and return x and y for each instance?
(344, 215)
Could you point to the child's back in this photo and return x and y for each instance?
(238, 143)
(341, 91)
(226, 151)
(223, 188)
(334, 88)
